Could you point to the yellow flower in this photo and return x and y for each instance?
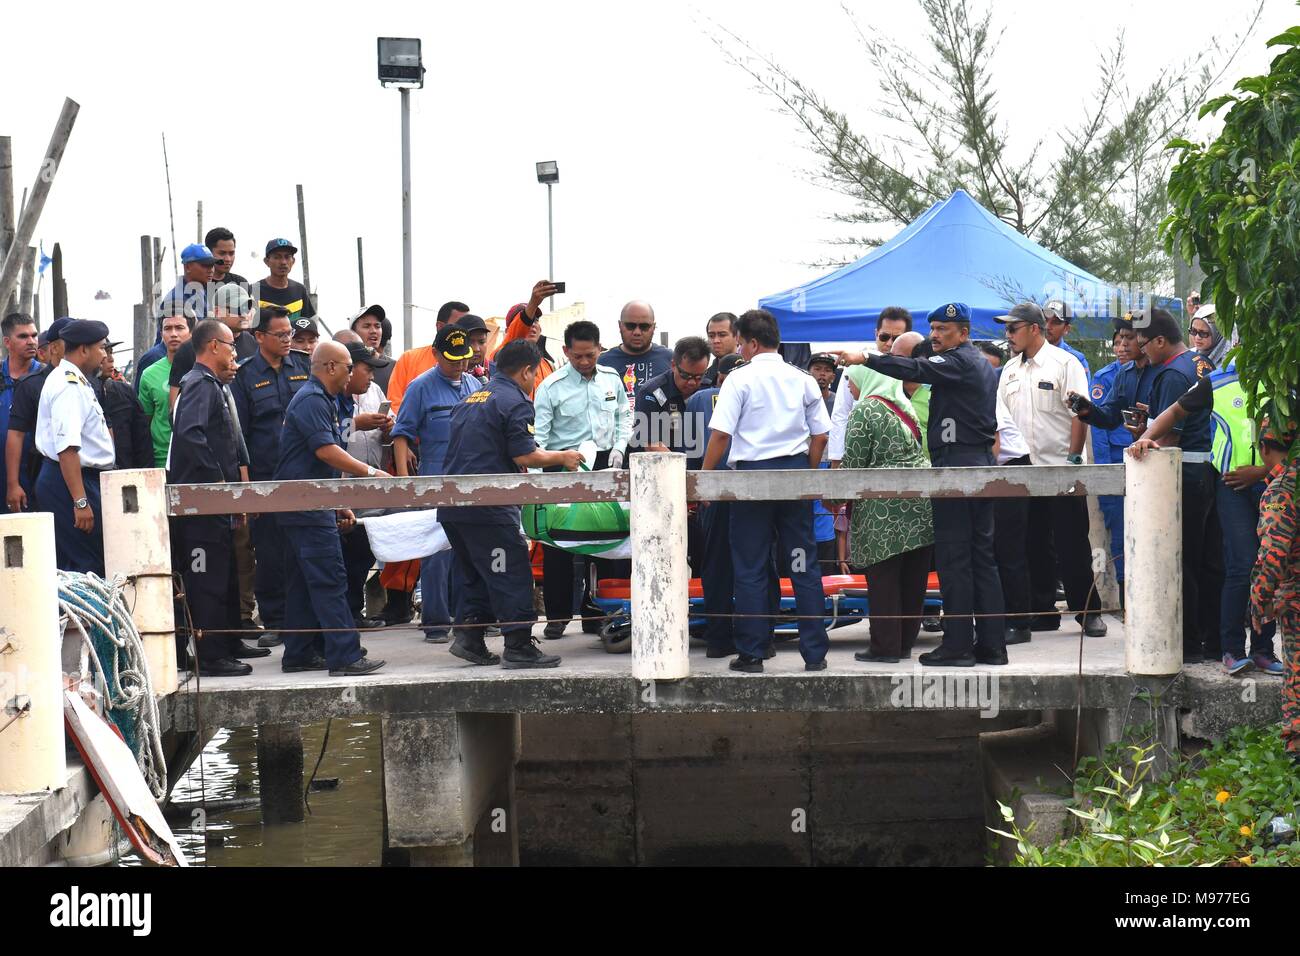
(1246, 860)
(1222, 796)
(1244, 831)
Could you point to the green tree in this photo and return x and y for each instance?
(1236, 204)
(1091, 190)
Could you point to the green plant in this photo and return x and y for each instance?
(1236, 206)
(1213, 809)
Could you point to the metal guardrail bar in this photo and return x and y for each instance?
(521, 489)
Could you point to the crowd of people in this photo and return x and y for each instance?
(239, 386)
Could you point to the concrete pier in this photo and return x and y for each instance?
(280, 772)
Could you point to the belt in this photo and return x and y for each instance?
(55, 463)
(1197, 457)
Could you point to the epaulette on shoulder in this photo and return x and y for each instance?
(70, 375)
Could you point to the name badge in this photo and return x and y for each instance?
(1048, 386)
(261, 385)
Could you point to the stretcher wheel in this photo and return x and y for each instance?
(616, 635)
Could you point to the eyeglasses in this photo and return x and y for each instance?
(638, 326)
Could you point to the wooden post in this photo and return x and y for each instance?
(27, 292)
(8, 222)
(60, 287)
(302, 246)
(361, 276)
(200, 220)
(31, 675)
(157, 264)
(36, 203)
(142, 332)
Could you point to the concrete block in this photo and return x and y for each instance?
(280, 772)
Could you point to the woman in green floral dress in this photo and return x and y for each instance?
(890, 537)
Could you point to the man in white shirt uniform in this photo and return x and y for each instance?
(1011, 530)
(770, 415)
(72, 435)
(1034, 388)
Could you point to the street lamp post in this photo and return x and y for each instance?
(400, 65)
(548, 172)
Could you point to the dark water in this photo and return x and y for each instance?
(343, 828)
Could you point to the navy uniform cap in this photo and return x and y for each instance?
(55, 330)
(84, 332)
(958, 312)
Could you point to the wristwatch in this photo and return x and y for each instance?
(370, 471)
(1074, 459)
(81, 503)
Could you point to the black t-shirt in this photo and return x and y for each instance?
(293, 297)
(245, 347)
(27, 397)
(229, 278)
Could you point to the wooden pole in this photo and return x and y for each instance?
(171, 215)
(146, 271)
(157, 261)
(36, 203)
(60, 287)
(142, 331)
(361, 275)
(28, 289)
(200, 238)
(302, 245)
(8, 221)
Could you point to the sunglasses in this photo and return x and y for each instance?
(1200, 333)
(884, 337)
(687, 377)
(638, 326)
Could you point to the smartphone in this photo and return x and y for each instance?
(559, 287)
(1132, 416)
(385, 408)
(1076, 403)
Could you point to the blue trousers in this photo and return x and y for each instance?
(1112, 511)
(492, 578)
(755, 526)
(316, 597)
(1239, 518)
(73, 550)
(435, 591)
(271, 557)
(965, 558)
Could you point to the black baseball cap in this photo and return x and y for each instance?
(1023, 312)
(471, 323)
(452, 343)
(729, 363)
(304, 325)
(364, 353)
(275, 244)
(823, 358)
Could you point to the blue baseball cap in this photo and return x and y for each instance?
(197, 252)
(55, 329)
(958, 312)
(275, 244)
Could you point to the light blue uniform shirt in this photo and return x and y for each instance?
(572, 409)
(425, 415)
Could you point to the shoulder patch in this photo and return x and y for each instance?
(1098, 391)
(70, 375)
(531, 429)
(659, 396)
(938, 359)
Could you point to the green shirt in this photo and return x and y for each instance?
(155, 397)
(921, 403)
(881, 528)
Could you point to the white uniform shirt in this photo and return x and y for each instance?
(770, 409)
(1011, 444)
(1034, 391)
(368, 446)
(69, 416)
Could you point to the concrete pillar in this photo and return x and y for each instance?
(280, 772)
(660, 575)
(1153, 563)
(137, 544)
(449, 787)
(32, 746)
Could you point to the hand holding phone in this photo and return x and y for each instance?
(385, 407)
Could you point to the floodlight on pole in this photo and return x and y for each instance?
(400, 65)
(548, 172)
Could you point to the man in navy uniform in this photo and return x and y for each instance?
(658, 411)
(205, 448)
(22, 462)
(770, 415)
(962, 426)
(263, 388)
(492, 433)
(311, 447)
(72, 434)
(715, 518)
(1178, 368)
(422, 431)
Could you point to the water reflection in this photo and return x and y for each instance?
(343, 828)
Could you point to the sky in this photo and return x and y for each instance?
(680, 183)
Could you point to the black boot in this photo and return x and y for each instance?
(522, 652)
(397, 607)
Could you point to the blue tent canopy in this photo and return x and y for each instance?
(956, 251)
